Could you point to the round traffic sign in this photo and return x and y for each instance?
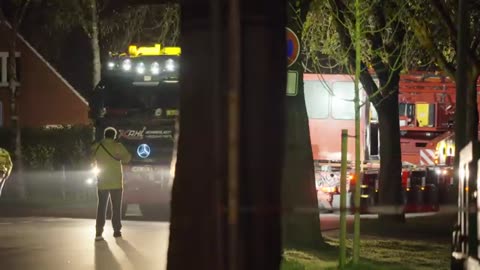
(293, 47)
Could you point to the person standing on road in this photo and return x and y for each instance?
(6, 166)
(109, 156)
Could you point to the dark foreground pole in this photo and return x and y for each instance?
(200, 237)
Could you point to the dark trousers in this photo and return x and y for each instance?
(115, 196)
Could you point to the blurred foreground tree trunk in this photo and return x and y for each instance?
(468, 70)
(213, 57)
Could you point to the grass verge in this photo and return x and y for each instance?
(376, 254)
(421, 243)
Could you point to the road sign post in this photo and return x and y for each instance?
(293, 53)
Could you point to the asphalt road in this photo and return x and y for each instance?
(62, 243)
(42, 243)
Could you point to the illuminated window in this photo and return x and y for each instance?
(425, 113)
(406, 109)
(4, 68)
(316, 99)
(342, 101)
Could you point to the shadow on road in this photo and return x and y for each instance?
(142, 218)
(104, 259)
(134, 256)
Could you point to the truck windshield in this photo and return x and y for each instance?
(126, 96)
(406, 109)
(164, 95)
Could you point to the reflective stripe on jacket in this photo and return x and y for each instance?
(110, 174)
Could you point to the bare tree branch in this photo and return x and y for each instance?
(475, 43)
(424, 37)
(377, 43)
(21, 11)
(346, 41)
(446, 18)
(78, 8)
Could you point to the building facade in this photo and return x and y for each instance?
(45, 98)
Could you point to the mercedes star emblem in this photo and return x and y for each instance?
(143, 150)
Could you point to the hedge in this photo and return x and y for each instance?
(56, 161)
(51, 148)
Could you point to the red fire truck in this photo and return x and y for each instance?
(426, 108)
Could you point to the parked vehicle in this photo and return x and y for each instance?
(138, 95)
(426, 110)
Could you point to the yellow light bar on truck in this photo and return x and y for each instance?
(133, 50)
(171, 51)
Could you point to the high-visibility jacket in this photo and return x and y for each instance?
(6, 166)
(109, 156)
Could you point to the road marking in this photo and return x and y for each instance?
(6, 223)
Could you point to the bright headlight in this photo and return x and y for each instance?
(155, 68)
(127, 65)
(90, 181)
(95, 171)
(111, 65)
(170, 65)
(140, 68)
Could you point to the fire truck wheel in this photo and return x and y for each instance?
(155, 211)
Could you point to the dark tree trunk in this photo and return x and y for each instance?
(198, 228)
(15, 111)
(95, 43)
(301, 221)
(390, 190)
(14, 93)
(461, 81)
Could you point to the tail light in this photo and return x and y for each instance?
(329, 189)
(351, 179)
